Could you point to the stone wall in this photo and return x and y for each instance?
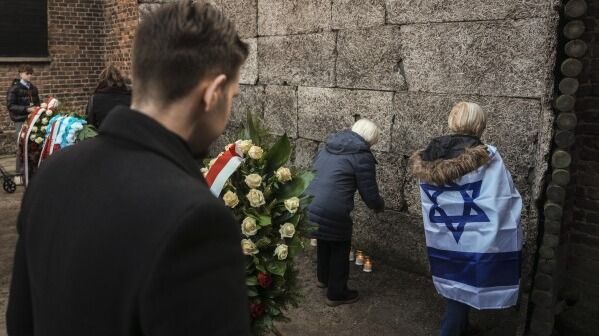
(580, 232)
(75, 43)
(317, 65)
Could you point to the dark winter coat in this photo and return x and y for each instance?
(19, 98)
(103, 101)
(345, 165)
(119, 235)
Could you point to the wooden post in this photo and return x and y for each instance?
(565, 102)
(556, 194)
(574, 29)
(561, 159)
(575, 8)
(560, 177)
(568, 85)
(571, 67)
(576, 48)
(564, 139)
(566, 121)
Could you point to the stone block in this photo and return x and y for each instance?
(242, 13)
(250, 99)
(349, 14)
(391, 170)
(402, 11)
(283, 17)
(297, 60)
(511, 125)
(496, 58)
(280, 109)
(392, 236)
(411, 194)
(324, 111)
(305, 150)
(249, 70)
(370, 59)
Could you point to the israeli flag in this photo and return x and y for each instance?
(474, 237)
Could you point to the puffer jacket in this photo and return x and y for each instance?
(19, 98)
(345, 165)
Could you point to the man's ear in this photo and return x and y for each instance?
(214, 88)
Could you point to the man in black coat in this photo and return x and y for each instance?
(21, 99)
(120, 235)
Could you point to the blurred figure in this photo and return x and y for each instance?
(21, 99)
(345, 165)
(111, 91)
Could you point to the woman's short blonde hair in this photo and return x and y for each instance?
(467, 118)
(367, 130)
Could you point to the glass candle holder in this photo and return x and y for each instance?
(359, 258)
(367, 265)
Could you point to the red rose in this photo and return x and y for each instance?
(264, 280)
(256, 310)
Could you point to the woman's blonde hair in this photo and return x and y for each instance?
(467, 118)
(367, 130)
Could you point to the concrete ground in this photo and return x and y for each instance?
(392, 302)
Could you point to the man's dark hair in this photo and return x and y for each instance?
(181, 43)
(25, 68)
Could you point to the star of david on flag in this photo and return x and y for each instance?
(472, 213)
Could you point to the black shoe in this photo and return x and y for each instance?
(321, 285)
(351, 296)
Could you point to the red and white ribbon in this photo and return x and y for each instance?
(25, 139)
(224, 166)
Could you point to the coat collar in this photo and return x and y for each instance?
(135, 127)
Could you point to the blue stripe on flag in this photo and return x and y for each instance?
(476, 269)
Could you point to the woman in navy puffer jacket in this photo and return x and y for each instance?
(345, 165)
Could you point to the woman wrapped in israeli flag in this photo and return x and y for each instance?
(471, 211)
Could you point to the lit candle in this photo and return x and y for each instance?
(313, 242)
(352, 255)
(367, 265)
(359, 258)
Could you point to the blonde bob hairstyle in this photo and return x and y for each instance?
(467, 118)
(367, 130)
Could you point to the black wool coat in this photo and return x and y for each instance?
(120, 235)
(19, 98)
(102, 102)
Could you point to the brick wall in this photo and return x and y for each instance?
(75, 41)
(581, 228)
(121, 17)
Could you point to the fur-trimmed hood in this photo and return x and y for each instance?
(448, 158)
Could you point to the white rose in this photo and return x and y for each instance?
(44, 121)
(253, 180)
(32, 137)
(211, 163)
(49, 112)
(34, 129)
(44, 128)
(231, 199)
(291, 204)
(281, 251)
(287, 230)
(248, 247)
(283, 174)
(39, 140)
(256, 198)
(249, 227)
(245, 145)
(255, 152)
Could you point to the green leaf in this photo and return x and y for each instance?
(252, 292)
(251, 281)
(278, 155)
(277, 267)
(296, 187)
(260, 268)
(264, 220)
(263, 242)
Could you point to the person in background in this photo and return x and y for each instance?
(111, 91)
(471, 211)
(345, 165)
(21, 99)
(120, 235)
